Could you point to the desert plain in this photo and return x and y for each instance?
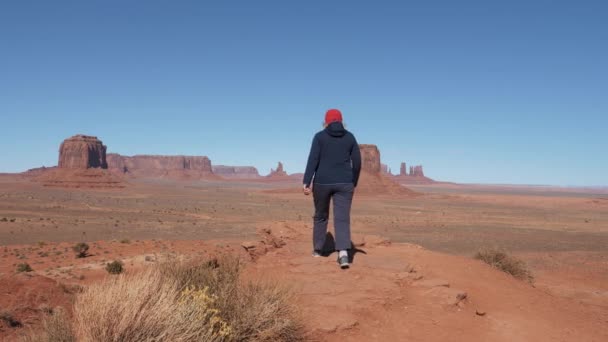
(413, 276)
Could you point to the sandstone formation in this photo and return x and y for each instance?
(416, 171)
(82, 152)
(403, 170)
(157, 166)
(279, 172)
(370, 158)
(385, 170)
(415, 176)
(236, 172)
(372, 180)
(82, 164)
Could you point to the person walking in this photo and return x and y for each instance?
(332, 173)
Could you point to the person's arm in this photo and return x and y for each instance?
(355, 157)
(313, 161)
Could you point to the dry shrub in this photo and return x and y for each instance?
(255, 311)
(56, 327)
(24, 267)
(144, 307)
(507, 263)
(185, 301)
(115, 267)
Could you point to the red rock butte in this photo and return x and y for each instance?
(82, 152)
(373, 180)
(82, 164)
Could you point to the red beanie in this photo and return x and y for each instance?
(333, 115)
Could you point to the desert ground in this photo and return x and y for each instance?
(413, 276)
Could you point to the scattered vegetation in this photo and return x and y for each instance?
(24, 267)
(81, 249)
(115, 267)
(507, 263)
(178, 301)
(56, 327)
(125, 241)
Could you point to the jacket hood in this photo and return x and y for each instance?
(336, 129)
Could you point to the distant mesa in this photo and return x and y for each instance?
(161, 166)
(236, 172)
(82, 164)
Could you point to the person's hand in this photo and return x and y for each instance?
(306, 189)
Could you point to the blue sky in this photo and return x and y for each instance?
(476, 91)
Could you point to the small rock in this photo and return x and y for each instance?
(480, 312)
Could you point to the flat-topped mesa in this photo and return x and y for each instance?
(279, 172)
(244, 172)
(153, 164)
(82, 164)
(82, 152)
(370, 158)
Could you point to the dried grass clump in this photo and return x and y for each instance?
(507, 263)
(56, 327)
(186, 301)
(255, 311)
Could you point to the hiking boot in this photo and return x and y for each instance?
(343, 261)
(316, 254)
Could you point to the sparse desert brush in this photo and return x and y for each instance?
(507, 263)
(24, 267)
(56, 327)
(115, 267)
(186, 301)
(81, 249)
(125, 241)
(147, 307)
(255, 311)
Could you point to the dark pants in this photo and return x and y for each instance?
(342, 195)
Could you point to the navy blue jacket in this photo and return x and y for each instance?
(334, 157)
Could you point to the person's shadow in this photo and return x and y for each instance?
(330, 247)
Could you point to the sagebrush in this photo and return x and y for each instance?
(505, 262)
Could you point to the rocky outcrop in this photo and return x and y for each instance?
(385, 170)
(370, 158)
(236, 172)
(279, 172)
(403, 170)
(82, 164)
(373, 181)
(82, 152)
(417, 171)
(161, 166)
(415, 176)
